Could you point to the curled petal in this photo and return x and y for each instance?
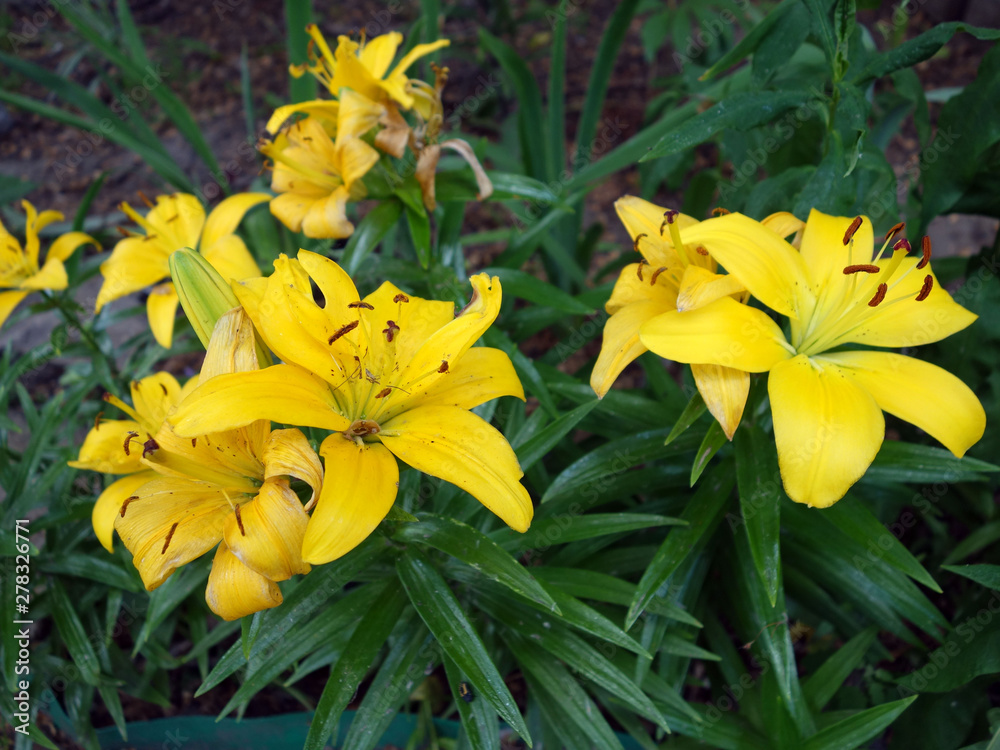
(267, 534)
(699, 287)
(621, 345)
(288, 453)
(107, 509)
(103, 450)
(161, 308)
(235, 591)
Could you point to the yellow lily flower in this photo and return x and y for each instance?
(826, 402)
(176, 221)
(364, 67)
(228, 488)
(393, 376)
(319, 162)
(20, 274)
(676, 272)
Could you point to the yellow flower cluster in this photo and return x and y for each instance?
(389, 377)
(319, 161)
(827, 395)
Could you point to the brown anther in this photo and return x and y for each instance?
(855, 226)
(400, 298)
(903, 244)
(879, 295)
(926, 288)
(150, 446)
(444, 366)
(383, 393)
(720, 211)
(194, 442)
(97, 420)
(894, 231)
(175, 217)
(343, 331)
(365, 305)
(239, 519)
(362, 427)
(170, 535)
(125, 504)
(656, 275)
(128, 439)
(149, 237)
(925, 245)
(147, 201)
(165, 391)
(635, 243)
(861, 267)
(638, 271)
(123, 232)
(701, 251)
(668, 218)
(390, 330)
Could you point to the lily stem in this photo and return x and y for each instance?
(60, 302)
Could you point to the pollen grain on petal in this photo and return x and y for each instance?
(925, 290)
(855, 226)
(361, 304)
(879, 295)
(383, 393)
(444, 366)
(861, 268)
(239, 519)
(170, 535)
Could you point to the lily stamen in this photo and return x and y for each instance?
(879, 295)
(925, 290)
(239, 519)
(635, 242)
(343, 331)
(852, 229)
(170, 535)
(861, 268)
(925, 246)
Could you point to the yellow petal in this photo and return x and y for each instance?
(906, 322)
(66, 244)
(326, 218)
(161, 308)
(725, 392)
(482, 374)
(459, 447)
(452, 340)
(103, 448)
(282, 393)
(621, 344)
(337, 287)
(723, 333)
(321, 108)
(356, 158)
(231, 348)
(180, 217)
(169, 523)
(358, 114)
(630, 288)
(825, 253)
(699, 287)
(8, 301)
(641, 217)
(921, 393)
(34, 223)
(235, 591)
(291, 209)
(353, 504)
(227, 216)
(768, 266)
(377, 54)
(828, 429)
(783, 224)
(288, 453)
(154, 396)
(416, 317)
(420, 50)
(134, 264)
(51, 276)
(267, 534)
(107, 509)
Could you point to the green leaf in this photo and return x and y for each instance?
(533, 289)
(100, 569)
(845, 13)
(508, 185)
(740, 111)
(714, 439)
(565, 701)
(545, 532)
(703, 512)
(760, 493)
(749, 44)
(354, 663)
(479, 720)
(369, 233)
(524, 367)
(984, 575)
(820, 688)
(73, 634)
(535, 448)
(784, 35)
(298, 13)
(692, 412)
(476, 550)
(419, 224)
(168, 598)
(822, 26)
(444, 617)
(918, 49)
(858, 729)
(906, 462)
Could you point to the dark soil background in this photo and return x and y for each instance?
(199, 46)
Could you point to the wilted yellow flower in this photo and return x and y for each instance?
(229, 488)
(319, 162)
(826, 402)
(176, 221)
(393, 376)
(364, 67)
(20, 274)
